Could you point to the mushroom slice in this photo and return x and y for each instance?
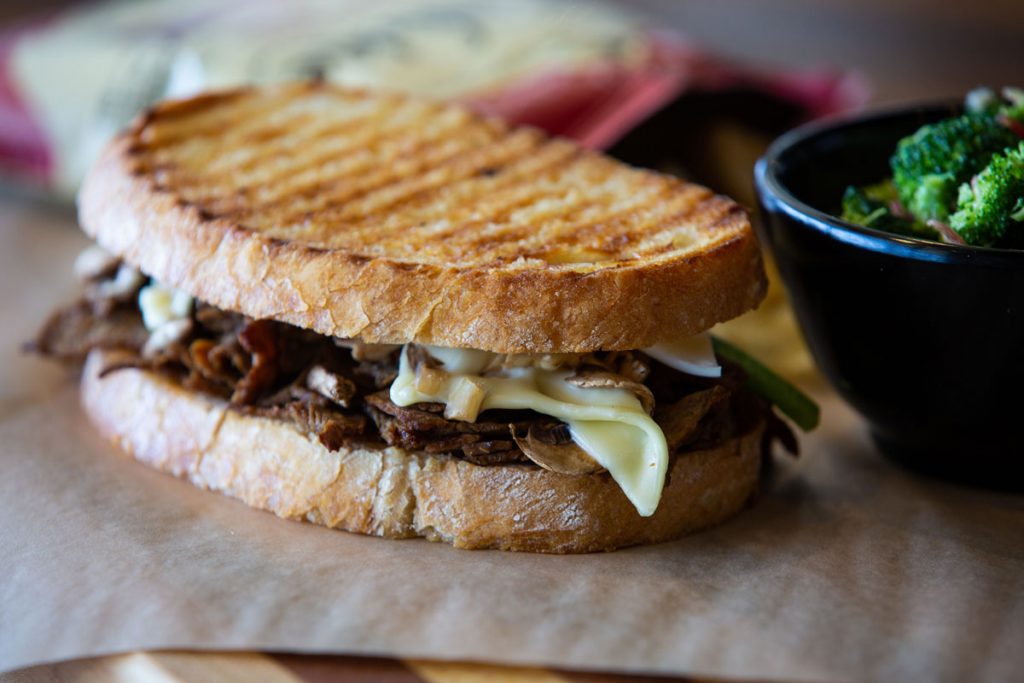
(330, 385)
(546, 447)
(127, 281)
(464, 399)
(680, 420)
(631, 366)
(372, 353)
(95, 263)
(600, 379)
(170, 332)
(430, 380)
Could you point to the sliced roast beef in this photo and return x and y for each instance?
(317, 415)
(421, 426)
(71, 332)
(336, 390)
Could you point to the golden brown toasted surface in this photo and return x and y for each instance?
(397, 219)
(395, 493)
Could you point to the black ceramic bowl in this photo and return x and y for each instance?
(925, 340)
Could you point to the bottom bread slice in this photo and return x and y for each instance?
(391, 492)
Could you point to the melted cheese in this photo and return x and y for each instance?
(608, 423)
(160, 305)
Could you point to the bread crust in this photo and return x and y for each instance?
(393, 493)
(506, 306)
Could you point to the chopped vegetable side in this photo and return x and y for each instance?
(958, 180)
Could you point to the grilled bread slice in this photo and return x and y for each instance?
(394, 219)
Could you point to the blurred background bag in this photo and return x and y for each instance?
(591, 71)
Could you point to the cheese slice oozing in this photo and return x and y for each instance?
(608, 423)
(160, 304)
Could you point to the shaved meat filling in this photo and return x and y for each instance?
(72, 332)
(337, 390)
(423, 427)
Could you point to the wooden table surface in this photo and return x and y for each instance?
(247, 667)
(909, 51)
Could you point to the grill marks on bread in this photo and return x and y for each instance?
(392, 219)
(422, 181)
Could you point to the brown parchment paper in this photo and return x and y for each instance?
(847, 568)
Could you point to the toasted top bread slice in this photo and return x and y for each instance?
(395, 219)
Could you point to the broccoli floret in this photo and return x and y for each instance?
(990, 208)
(860, 208)
(930, 165)
(872, 207)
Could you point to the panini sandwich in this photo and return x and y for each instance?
(395, 317)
